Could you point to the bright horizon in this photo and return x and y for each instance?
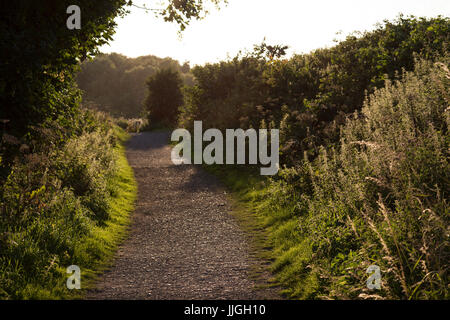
(223, 33)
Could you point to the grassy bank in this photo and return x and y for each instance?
(101, 246)
(64, 203)
(379, 197)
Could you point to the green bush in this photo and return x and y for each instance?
(380, 197)
(164, 97)
(52, 200)
(354, 192)
(308, 96)
(134, 125)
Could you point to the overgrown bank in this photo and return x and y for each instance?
(377, 198)
(64, 202)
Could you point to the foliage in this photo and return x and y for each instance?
(40, 54)
(231, 89)
(55, 200)
(116, 84)
(164, 97)
(66, 188)
(364, 141)
(309, 95)
(378, 198)
(381, 197)
(182, 11)
(269, 52)
(132, 125)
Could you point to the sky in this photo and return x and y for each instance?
(302, 25)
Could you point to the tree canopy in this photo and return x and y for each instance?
(39, 54)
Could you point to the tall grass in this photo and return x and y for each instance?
(379, 197)
(63, 203)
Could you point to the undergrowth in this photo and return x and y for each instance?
(379, 197)
(64, 202)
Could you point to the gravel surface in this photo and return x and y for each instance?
(183, 243)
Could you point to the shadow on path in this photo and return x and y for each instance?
(183, 243)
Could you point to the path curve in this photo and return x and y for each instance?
(183, 243)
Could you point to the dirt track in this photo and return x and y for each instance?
(183, 243)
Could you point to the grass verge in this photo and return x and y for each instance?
(47, 230)
(100, 247)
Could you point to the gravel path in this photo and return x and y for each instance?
(183, 243)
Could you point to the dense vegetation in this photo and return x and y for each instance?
(380, 197)
(63, 203)
(116, 84)
(66, 187)
(364, 130)
(58, 169)
(308, 96)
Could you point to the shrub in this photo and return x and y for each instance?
(51, 200)
(135, 125)
(381, 196)
(164, 97)
(310, 95)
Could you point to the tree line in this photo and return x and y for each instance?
(116, 84)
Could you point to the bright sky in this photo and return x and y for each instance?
(300, 24)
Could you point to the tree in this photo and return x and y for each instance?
(39, 54)
(164, 97)
(182, 11)
(38, 62)
(269, 52)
